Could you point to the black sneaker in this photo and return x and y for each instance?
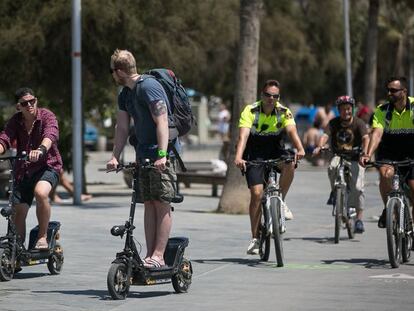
(359, 226)
(331, 200)
(382, 219)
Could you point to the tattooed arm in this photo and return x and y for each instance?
(159, 114)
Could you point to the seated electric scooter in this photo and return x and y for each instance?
(128, 267)
(13, 253)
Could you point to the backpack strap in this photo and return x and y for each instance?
(171, 146)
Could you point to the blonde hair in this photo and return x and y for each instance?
(124, 60)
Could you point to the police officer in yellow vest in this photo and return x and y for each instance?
(263, 126)
(393, 135)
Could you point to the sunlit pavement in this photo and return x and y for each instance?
(318, 275)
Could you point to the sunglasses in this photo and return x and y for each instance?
(27, 102)
(275, 96)
(392, 90)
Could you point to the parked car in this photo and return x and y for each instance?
(90, 136)
(304, 119)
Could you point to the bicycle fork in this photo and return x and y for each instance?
(281, 213)
(400, 211)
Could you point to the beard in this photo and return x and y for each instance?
(392, 99)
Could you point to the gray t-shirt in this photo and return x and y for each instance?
(137, 102)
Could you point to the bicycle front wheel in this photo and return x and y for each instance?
(264, 248)
(339, 207)
(394, 238)
(277, 235)
(407, 241)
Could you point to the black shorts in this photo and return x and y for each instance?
(256, 175)
(24, 191)
(404, 171)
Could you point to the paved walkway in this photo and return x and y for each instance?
(319, 275)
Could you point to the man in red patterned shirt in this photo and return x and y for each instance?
(35, 131)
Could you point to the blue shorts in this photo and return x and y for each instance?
(24, 190)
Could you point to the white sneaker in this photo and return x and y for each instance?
(288, 213)
(253, 248)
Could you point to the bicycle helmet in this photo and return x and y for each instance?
(345, 99)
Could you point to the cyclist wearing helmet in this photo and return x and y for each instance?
(346, 133)
(263, 127)
(393, 135)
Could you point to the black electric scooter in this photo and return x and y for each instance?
(13, 253)
(128, 268)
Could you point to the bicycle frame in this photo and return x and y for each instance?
(397, 193)
(398, 215)
(342, 182)
(272, 190)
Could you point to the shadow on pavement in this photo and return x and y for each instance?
(368, 263)
(321, 240)
(30, 275)
(240, 261)
(103, 294)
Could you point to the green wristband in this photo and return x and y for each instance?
(162, 153)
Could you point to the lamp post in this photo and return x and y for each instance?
(347, 49)
(76, 102)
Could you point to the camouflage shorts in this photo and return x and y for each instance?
(157, 186)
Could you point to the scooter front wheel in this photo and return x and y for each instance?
(181, 281)
(117, 281)
(6, 266)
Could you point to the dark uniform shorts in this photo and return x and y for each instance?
(256, 175)
(156, 186)
(24, 191)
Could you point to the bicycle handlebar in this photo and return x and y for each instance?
(23, 156)
(344, 153)
(270, 162)
(379, 163)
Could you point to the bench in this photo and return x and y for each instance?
(202, 172)
(198, 172)
(187, 178)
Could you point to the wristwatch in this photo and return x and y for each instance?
(162, 153)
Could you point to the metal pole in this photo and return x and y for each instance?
(411, 61)
(76, 102)
(347, 50)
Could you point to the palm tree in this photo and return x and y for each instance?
(370, 75)
(235, 197)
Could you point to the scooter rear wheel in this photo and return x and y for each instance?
(6, 266)
(117, 281)
(181, 281)
(55, 261)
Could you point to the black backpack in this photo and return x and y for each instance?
(180, 116)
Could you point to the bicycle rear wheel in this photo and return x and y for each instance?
(339, 207)
(277, 235)
(394, 238)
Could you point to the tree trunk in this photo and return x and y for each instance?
(370, 76)
(236, 196)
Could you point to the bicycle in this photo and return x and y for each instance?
(13, 253)
(128, 268)
(272, 222)
(399, 227)
(344, 214)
